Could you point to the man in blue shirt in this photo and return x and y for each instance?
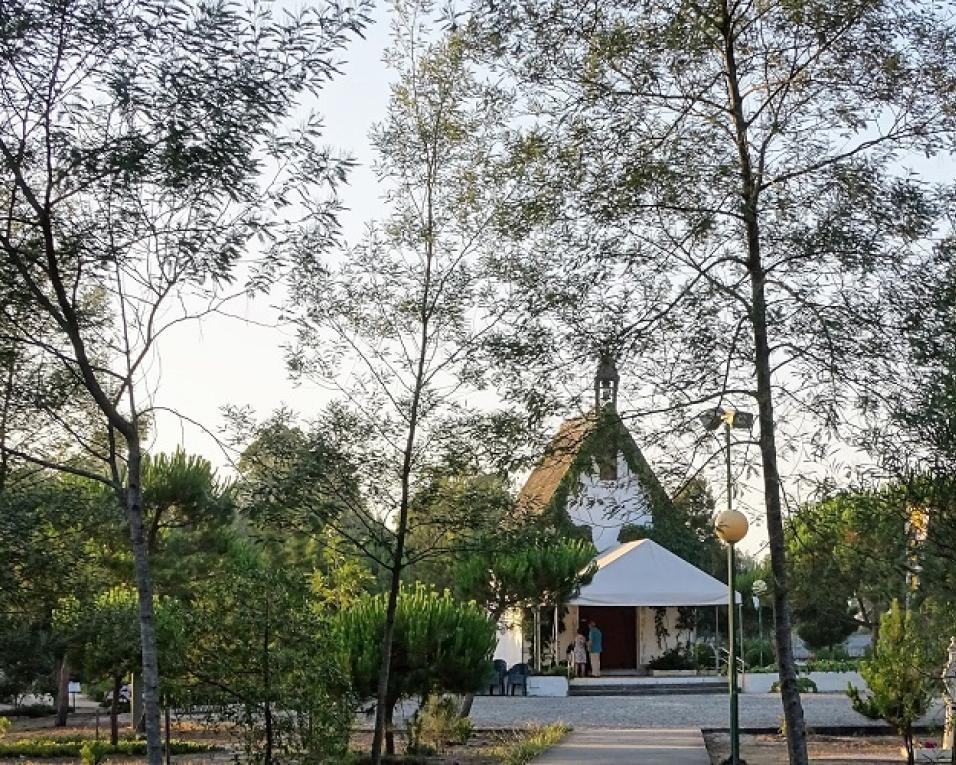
(595, 638)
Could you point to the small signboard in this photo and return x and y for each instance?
(74, 687)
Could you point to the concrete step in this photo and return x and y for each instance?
(648, 689)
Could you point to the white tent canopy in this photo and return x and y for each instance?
(642, 573)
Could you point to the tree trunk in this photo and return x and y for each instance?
(750, 196)
(466, 704)
(390, 726)
(382, 709)
(114, 710)
(267, 687)
(62, 691)
(136, 703)
(383, 714)
(790, 696)
(144, 587)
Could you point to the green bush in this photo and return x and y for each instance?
(73, 747)
(93, 752)
(440, 645)
(832, 665)
(832, 653)
(4, 726)
(759, 653)
(703, 655)
(556, 670)
(674, 658)
(804, 685)
(436, 726)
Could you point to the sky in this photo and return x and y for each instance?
(219, 360)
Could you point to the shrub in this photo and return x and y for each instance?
(759, 653)
(4, 726)
(902, 675)
(804, 685)
(703, 656)
(439, 645)
(74, 747)
(29, 710)
(93, 752)
(673, 658)
(832, 665)
(832, 653)
(436, 725)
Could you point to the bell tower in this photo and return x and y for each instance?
(606, 382)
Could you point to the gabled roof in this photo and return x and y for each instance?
(544, 480)
(642, 573)
(571, 453)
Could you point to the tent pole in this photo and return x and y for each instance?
(717, 637)
(554, 640)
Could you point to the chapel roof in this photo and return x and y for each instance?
(555, 464)
(566, 447)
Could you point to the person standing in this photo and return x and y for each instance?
(595, 640)
(580, 656)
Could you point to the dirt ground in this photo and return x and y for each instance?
(478, 750)
(833, 750)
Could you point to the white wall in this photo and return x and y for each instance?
(648, 647)
(510, 640)
(605, 506)
(827, 682)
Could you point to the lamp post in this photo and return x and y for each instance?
(730, 526)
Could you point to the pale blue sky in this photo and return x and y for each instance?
(204, 365)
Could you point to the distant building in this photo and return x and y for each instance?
(593, 481)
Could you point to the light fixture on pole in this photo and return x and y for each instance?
(731, 526)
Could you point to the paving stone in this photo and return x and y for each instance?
(654, 746)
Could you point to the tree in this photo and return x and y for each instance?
(455, 516)
(903, 675)
(395, 329)
(261, 648)
(102, 638)
(825, 625)
(721, 177)
(141, 147)
(104, 633)
(439, 645)
(52, 532)
(187, 513)
(531, 571)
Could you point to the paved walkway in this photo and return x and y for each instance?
(640, 712)
(658, 746)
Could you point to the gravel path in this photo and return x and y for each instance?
(703, 711)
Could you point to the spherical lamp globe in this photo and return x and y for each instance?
(731, 526)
